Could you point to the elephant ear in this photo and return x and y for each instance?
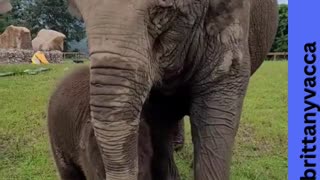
(73, 9)
(219, 14)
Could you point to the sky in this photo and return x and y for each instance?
(283, 1)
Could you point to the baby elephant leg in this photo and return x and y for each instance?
(67, 170)
(90, 155)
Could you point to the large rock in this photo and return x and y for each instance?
(23, 56)
(5, 6)
(16, 37)
(48, 40)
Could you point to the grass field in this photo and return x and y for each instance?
(260, 151)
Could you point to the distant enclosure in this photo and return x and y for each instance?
(276, 56)
(272, 56)
(75, 55)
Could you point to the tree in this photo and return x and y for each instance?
(46, 14)
(281, 41)
(4, 22)
(15, 16)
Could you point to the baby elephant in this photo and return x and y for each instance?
(72, 139)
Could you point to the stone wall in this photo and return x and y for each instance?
(23, 56)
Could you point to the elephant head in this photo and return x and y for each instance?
(135, 45)
(122, 72)
(5, 6)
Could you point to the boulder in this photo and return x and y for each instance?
(5, 6)
(16, 37)
(48, 40)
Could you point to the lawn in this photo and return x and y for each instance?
(261, 145)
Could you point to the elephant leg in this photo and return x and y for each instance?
(67, 170)
(215, 116)
(90, 155)
(163, 165)
(164, 114)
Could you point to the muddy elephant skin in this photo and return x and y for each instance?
(164, 59)
(73, 142)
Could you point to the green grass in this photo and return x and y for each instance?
(261, 144)
(260, 151)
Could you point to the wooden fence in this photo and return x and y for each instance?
(75, 55)
(272, 56)
(276, 56)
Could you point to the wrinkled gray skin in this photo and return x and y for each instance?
(73, 143)
(181, 57)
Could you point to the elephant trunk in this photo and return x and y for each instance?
(120, 79)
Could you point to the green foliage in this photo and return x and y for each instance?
(48, 14)
(16, 16)
(281, 41)
(4, 22)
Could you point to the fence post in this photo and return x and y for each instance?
(274, 55)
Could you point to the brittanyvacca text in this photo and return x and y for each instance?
(311, 108)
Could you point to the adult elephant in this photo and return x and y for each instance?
(181, 57)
